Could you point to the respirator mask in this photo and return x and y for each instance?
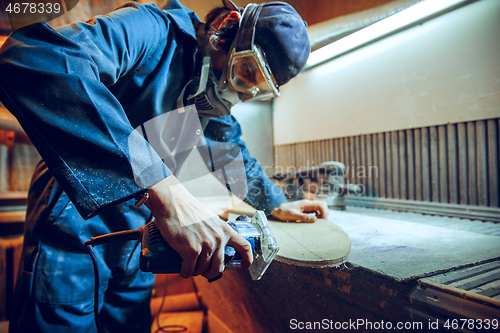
(246, 74)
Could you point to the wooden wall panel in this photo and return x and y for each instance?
(381, 163)
(471, 149)
(331, 150)
(352, 160)
(389, 175)
(396, 176)
(452, 163)
(453, 159)
(443, 165)
(362, 172)
(426, 165)
(337, 149)
(493, 162)
(417, 137)
(482, 164)
(369, 164)
(410, 165)
(341, 150)
(357, 160)
(434, 160)
(376, 165)
(463, 179)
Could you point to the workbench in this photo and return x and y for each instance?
(418, 271)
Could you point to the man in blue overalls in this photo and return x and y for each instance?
(86, 94)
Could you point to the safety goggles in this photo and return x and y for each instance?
(250, 74)
(248, 70)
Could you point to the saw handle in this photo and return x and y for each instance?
(158, 257)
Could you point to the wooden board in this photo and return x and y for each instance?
(318, 244)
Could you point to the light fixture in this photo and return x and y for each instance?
(416, 14)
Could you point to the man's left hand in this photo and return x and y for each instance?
(301, 211)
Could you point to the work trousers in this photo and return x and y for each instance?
(55, 283)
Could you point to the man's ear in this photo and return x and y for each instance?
(231, 19)
(228, 4)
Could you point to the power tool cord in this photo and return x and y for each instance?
(96, 288)
(118, 237)
(99, 240)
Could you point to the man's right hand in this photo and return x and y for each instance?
(195, 232)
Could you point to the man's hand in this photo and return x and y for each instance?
(301, 211)
(195, 232)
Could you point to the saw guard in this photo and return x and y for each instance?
(263, 255)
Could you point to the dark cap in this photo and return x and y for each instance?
(282, 34)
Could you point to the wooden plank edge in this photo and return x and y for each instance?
(312, 263)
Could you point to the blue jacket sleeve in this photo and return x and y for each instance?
(57, 84)
(262, 193)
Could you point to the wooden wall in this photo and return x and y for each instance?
(452, 164)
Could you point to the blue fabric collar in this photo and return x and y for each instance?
(183, 17)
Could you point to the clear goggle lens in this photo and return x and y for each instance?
(250, 74)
